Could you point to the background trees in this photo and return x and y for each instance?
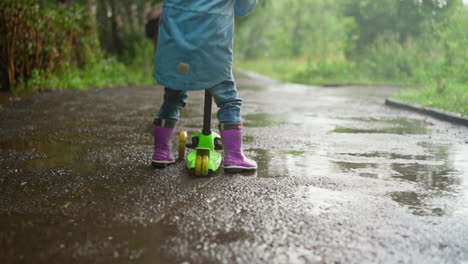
(74, 41)
(49, 44)
(360, 40)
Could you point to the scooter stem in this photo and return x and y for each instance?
(207, 114)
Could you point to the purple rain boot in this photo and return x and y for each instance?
(234, 159)
(162, 147)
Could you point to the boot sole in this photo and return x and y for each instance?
(158, 165)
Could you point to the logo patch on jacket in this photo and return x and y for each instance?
(183, 68)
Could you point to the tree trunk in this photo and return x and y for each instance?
(115, 34)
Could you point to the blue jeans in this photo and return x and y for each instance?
(224, 94)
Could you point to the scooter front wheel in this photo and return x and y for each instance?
(205, 162)
(182, 142)
(198, 165)
(201, 165)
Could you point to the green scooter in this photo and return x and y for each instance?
(204, 160)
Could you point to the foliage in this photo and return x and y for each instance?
(403, 19)
(291, 29)
(416, 43)
(43, 39)
(56, 46)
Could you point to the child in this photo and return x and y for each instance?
(194, 52)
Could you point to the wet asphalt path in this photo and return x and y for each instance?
(342, 179)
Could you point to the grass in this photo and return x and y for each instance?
(450, 96)
(102, 73)
(134, 67)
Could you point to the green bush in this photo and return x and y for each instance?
(139, 59)
(57, 48)
(43, 40)
(101, 73)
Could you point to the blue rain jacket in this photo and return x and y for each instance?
(194, 49)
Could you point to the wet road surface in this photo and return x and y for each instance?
(342, 179)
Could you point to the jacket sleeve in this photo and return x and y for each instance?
(244, 7)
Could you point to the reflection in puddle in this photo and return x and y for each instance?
(264, 158)
(272, 164)
(264, 119)
(388, 155)
(417, 204)
(352, 165)
(368, 170)
(435, 177)
(391, 126)
(55, 155)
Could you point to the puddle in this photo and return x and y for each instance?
(287, 163)
(388, 155)
(391, 126)
(264, 120)
(416, 203)
(273, 164)
(345, 166)
(368, 170)
(432, 177)
(64, 155)
(442, 173)
(88, 238)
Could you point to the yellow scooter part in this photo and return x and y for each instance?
(204, 161)
(182, 141)
(198, 165)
